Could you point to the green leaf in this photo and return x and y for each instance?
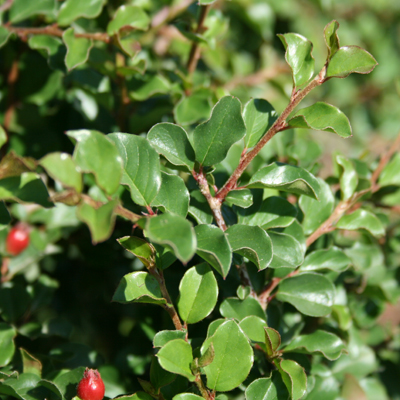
(251, 242)
(348, 177)
(128, 16)
(331, 38)
(322, 117)
(135, 396)
(128, 42)
(7, 346)
(316, 212)
(242, 198)
(253, 327)
(4, 215)
(310, 293)
(287, 251)
(141, 171)
(390, 174)
(294, 377)
(258, 115)
(199, 208)
(362, 219)
(73, 9)
(240, 309)
(326, 343)
(26, 387)
(173, 143)
(78, 49)
(173, 196)
(198, 293)
(187, 396)
(273, 212)
(194, 108)
(206, 2)
(230, 345)
(31, 365)
(139, 287)
(349, 59)
(66, 382)
(163, 337)
(96, 153)
(159, 377)
(267, 389)
(51, 48)
(176, 357)
(272, 342)
(4, 36)
(175, 232)
(22, 9)
(213, 246)
(287, 178)
(99, 220)
(333, 259)
(142, 87)
(27, 188)
(298, 56)
(62, 168)
(212, 139)
(140, 248)
(3, 134)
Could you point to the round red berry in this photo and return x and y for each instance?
(91, 386)
(17, 239)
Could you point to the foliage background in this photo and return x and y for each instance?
(71, 321)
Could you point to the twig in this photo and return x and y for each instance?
(195, 50)
(53, 30)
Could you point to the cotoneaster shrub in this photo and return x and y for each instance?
(234, 251)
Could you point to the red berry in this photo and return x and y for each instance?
(91, 386)
(17, 239)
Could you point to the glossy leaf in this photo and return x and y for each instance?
(141, 167)
(240, 309)
(287, 251)
(230, 344)
(52, 48)
(258, 115)
(287, 178)
(173, 197)
(73, 9)
(298, 56)
(7, 346)
(322, 117)
(333, 259)
(175, 232)
(176, 357)
(194, 107)
(99, 220)
(199, 208)
(31, 365)
(272, 341)
(348, 177)
(350, 59)
(128, 16)
(187, 396)
(198, 293)
(251, 242)
(326, 343)
(362, 219)
(273, 212)
(138, 287)
(140, 248)
(253, 327)
(317, 211)
(294, 377)
(97, 154)
(25, 387)
(142, 87)
(267, 389)
(27, 188)
(62, 168)
(213, 246)
(163, 337)
(22, 9)
(331, 38)
(242, 198)
(159, 377)
(390, 174)
(173, 143)
(212, 139)
(310, 293)
(78, 49)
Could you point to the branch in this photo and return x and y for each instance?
(279, 125)
(53, 30)
(195, 51)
